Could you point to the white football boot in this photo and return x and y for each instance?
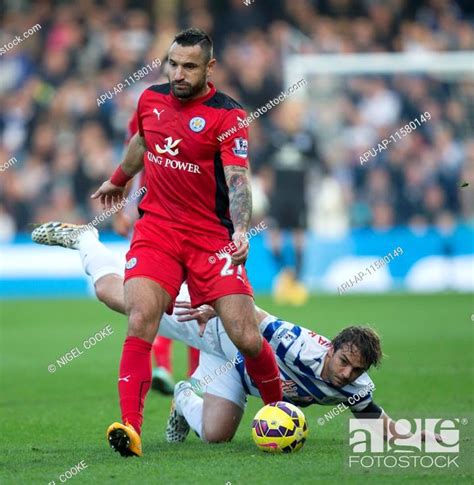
(177, 428)
(60, 234)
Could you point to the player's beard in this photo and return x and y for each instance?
(188, 91)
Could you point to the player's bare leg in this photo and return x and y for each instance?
(145, 303)
(109, 290)
(98, 262)
(239, 318)
(214, 419)
(237, 313)
(220, 418)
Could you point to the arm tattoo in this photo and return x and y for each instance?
(240, 196)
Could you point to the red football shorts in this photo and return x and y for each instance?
(170, 256)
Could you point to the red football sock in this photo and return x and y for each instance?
(193, 360)
(162, 352)
(263, 369)
(135, 379)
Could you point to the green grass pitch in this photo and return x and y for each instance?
(52, 421)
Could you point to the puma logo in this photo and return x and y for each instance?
(158, 113)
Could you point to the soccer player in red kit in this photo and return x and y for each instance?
(198, 202)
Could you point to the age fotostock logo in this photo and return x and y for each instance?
(405, 444)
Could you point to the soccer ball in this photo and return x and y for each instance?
(279, 427)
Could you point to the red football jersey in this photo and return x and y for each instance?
(184, 161)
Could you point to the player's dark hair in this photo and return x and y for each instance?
(364, 339)
(195, 36)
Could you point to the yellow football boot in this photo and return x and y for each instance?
(124, 439)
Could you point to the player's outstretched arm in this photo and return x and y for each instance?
(399, 433)
(373, 411)
(112, 190)
(240, 207)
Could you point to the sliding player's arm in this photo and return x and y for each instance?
(111, 191)
(373, 411)
(240, 207)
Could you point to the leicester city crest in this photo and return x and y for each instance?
(197, 124)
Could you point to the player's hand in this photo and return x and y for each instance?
(109, 194)
(187, 313)
(240, 240)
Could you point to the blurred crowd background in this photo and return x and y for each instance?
(65, 145)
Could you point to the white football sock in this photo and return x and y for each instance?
(190, 405)
(97, 260)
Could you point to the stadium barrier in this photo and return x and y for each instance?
(431, 261)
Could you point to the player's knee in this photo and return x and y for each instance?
(101, 291)
(249, 343)
(217, 435)
(140, 322)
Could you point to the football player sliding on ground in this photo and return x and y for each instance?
(313, 369)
